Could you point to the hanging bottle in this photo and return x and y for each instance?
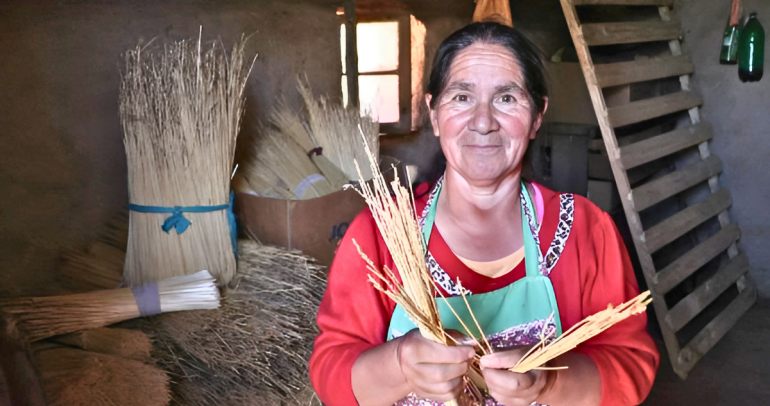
(751, 52)
(729, 55)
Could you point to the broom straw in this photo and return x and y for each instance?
(37, 318)
(180, 109)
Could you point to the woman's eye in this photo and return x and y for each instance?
(507, 99)
(461, 98)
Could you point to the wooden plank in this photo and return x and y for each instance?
(668, 3)
(666, 186)
(670, 229)
(687, 264)
(665, 144)
(624, 73)
(653, 107)
(703, 295)
(714, 331)
(630, 32)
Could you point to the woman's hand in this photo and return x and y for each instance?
(511, 388)
(433, 370)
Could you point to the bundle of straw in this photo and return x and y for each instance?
(121, 342)
(581, 332)
(181, 108)
(338, 130)
(73, 377)
(393, 212)
(37, 318)
(100, 266)
(255, 349)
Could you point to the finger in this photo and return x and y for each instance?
(435, 353)
(442, 391)
(441, 372)
(502, 359)
(507, 384)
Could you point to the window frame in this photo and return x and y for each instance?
(404, 70)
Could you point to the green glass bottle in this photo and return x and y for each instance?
(729, 55)
(751, 52)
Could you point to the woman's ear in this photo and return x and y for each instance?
(538, 120)
(432, 114)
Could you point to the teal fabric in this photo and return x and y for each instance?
(180, 223)
(527, 300)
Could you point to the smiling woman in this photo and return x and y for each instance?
(533, 261)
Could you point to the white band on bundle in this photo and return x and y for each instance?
(307, 182)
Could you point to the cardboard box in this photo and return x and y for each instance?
(313, 226)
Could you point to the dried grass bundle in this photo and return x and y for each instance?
(100, 266)
(338, 131)
(73, 377)
(254, 350)
(180, 108)
(393, 212)
(279, 167)
(581, 332)
(37, 318)
(121, 342)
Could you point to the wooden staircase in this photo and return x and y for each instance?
(699, 295)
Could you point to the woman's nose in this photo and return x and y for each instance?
(483, 121)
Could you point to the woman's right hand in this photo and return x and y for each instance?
(433, 370)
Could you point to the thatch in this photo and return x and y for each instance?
(255, 349)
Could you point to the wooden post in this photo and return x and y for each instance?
(351, 52)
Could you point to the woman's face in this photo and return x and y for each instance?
(484, 117)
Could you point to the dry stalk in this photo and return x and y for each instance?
(581, 332)
(180, 108)
(124, 343)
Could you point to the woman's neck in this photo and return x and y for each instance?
(480, 222)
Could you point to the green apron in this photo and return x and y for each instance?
(518, 314)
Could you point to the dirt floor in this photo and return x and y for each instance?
(735, 372)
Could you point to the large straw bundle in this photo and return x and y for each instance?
(180, 108)
(338, 131)
(254, 350)
(37, 318)
(73, 377)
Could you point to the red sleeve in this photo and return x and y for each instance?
(353, 316)
(625, 355)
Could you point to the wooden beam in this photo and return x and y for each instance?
(714, 331)
(657, 147)
(646, 109)
(687, 264)
(659, 3)
(351, 52)
(666, 186)
(629, 33)
(623, 73)
(670, 229)
(689, 307)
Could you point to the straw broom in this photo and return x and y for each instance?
(73, 377)
(254, 350)
(180, 109)
(37, 318)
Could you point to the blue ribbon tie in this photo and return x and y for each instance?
(180, 223)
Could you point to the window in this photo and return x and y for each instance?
(391, 59)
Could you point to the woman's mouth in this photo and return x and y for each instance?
(483, 149)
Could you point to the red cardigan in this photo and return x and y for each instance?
(593, 271)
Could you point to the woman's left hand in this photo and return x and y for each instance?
(511, 388)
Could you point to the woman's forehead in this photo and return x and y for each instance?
(485, 62)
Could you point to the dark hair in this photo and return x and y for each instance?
(528, 55)
(523, 49)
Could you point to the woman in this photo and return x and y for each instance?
(524, 253)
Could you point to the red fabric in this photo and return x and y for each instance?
(593, 271)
